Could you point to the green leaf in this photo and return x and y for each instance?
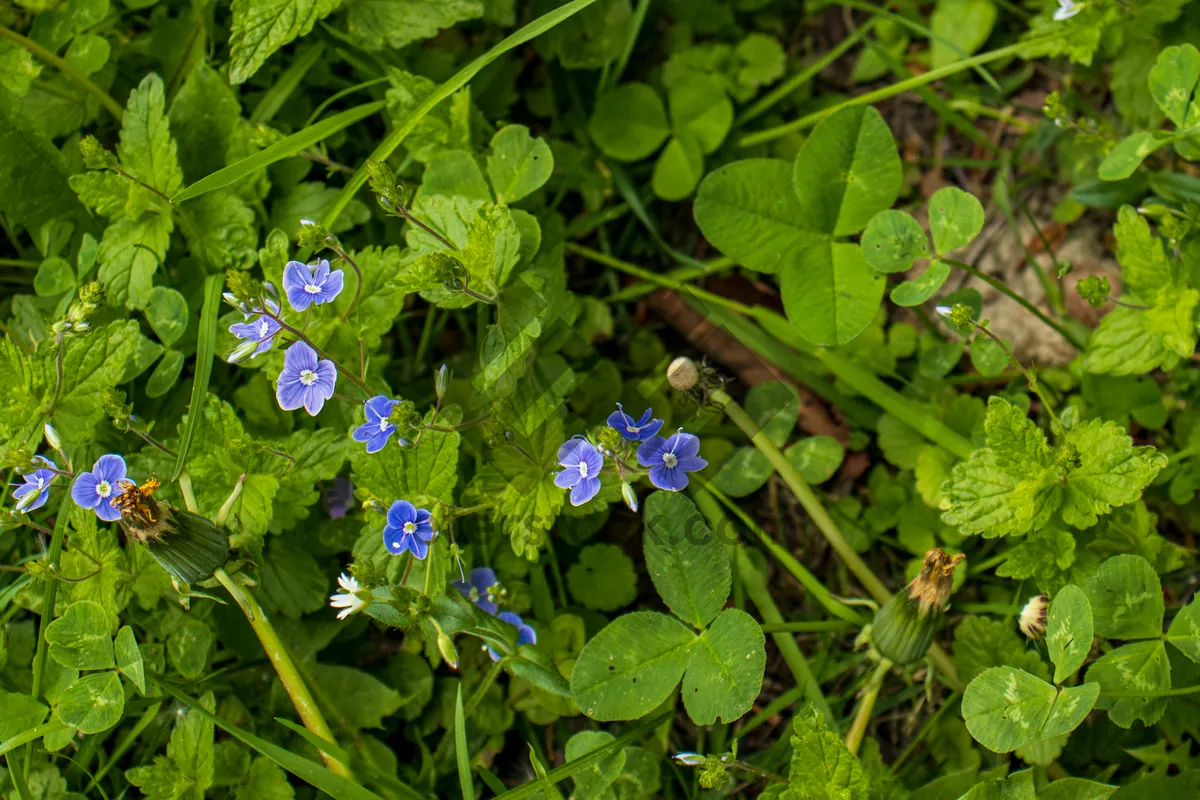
(93, 703)
(1017, 786)
(833, 296)
(166, 374)
(18, 69)
(260, 27)
(1111, 472)
(847, 171)
(593, 781)
(292, 580)
(167, 313)
(188, 648)
(981, 643)
(1137, 668)
(821, 766)
(418, 474)
(1124, 344)
(629, 122)
(518, 164)
(379, 24)
(228, 234)
(455, 172)
(775, 407)
(1007, 708)
(527, 308)
(688, 564)
(462, 755)
(265, 781)
(1069, 631)
(53, 277)
(631, 666)
(955, 218)
(744, 472)
(1129, 154)
(1144, 264)
(725, 672)
(203, 117)
(961, 28)
(363, 699)
(130, 253)
(1173, 82)
(603, 578)
(700, 110)
(1184, 632)
(893, 240)
(146, 149)
(79, 639)
(918, 290)
(21, 713)
(988, 357)
(1076, 789)
(129, 658)
(205, 346)
(1126, 599)
(816, 458)
(678, 169)
(33, 172)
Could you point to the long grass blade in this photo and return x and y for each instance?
(461, 754)
(205, 346)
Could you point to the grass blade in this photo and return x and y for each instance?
(456, 82)
(289, 146)
(273, 98)
(463, 757)
(205, 345)
(28, 736)
(324, 745)
(311, 772)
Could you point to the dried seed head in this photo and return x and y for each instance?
(683, 374)
(1033, 617)
(932, 587)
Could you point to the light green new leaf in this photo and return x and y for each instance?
(821, 766)
(1076, 789)
(593, 781)
(1172, 83)
(1126, 599)
(631, 666)
(1130, 152)
(847, 171)
(146, 149)
(93, 703)
(1184, 632)
(363, 699)
(21, 713)
(260, 27)
(1124, 345)
(518, 164)
(687, 563)
(1069, 631)
(893, 240)
(419, 474)
(1133, 669)
(955, 218)
(79, 639)
(1144, 264)
(961, 28)
(167, 314)
(129, 658)
(455, 172)
(629, 122)
(1110, 472)
(725, 672)
(1017, 786)
(678, 169)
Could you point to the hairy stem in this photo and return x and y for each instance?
(866, 706)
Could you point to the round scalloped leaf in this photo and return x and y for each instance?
(816, 458)
(602, 578)
(629, 123)
(893, 240)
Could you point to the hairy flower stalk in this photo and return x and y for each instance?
(903, 629)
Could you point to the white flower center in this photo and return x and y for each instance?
(669, 460)
(410, 528)
(41, 482)
(308, 377)
(383, 423)
(263, 328)
(312, 288)
(104, 488)
(583, 469)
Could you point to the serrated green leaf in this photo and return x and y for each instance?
(379, 24)
(260, 27)
(821, 766)
(1144, 264)
(363, 699)
(1111, 472)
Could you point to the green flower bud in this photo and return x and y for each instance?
(52, 437)
(312, 234)
(20, 459)
(441, 381)
(368, 573)
(242, 284)
(1095, 289)
(494, 433)
(403, 415)
(903, 629)
(94, 154)
(610, 439)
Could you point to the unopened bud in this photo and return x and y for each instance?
(52, 437)
(441, 381)
(629, 496)
(242, 350)
(683, 374)
(1033, 617)
(312, 234)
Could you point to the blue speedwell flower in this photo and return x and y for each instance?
(376, 431)
(260, 329)
(670, 459)
(34, 492)
(635, 430)
(581, 463)
(525, 633)
(408, 529)
(306, 285)
(305, 381)
(96, 489)
(478, 589)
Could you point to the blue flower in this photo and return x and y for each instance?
(581, 463)
(1067, 9)
(304, 381)
(525, 633)
(376, 430)
(261, 329)
(478, 589)
(638, 431)
(670, 459)
(305, 286)
(408, 529)
(34, 492)
(96, 489)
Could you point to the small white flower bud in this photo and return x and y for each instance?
(52, 437)
(629, 496)
(244, 349)
(683, 374)
(1033, 617)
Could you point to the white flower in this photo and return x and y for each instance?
(348, 599)
(1032, 620)
(1067, 9)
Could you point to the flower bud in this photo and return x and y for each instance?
(629, 496)
(441, 381)
(683, 374)
(445, 644)
(1032, 620)
(95, 156)
(312, 234)
(242, 350)
(903, 629)
(52, 437)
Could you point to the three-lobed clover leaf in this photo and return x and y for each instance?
(1006, 708)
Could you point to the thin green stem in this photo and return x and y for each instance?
(110, 105)
(613, 77)
(1179, 692)
(17, 262)
(185, 488)
(768, 100)
(53, 557)
(1008, 292)
(357, 381)
(1030, 378)
(671, 280)
(866, 706)
(812, 626)
(285, 668)
(124, 745)
(357, 276)
(809, 120)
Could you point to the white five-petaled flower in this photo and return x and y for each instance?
(348, 600)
